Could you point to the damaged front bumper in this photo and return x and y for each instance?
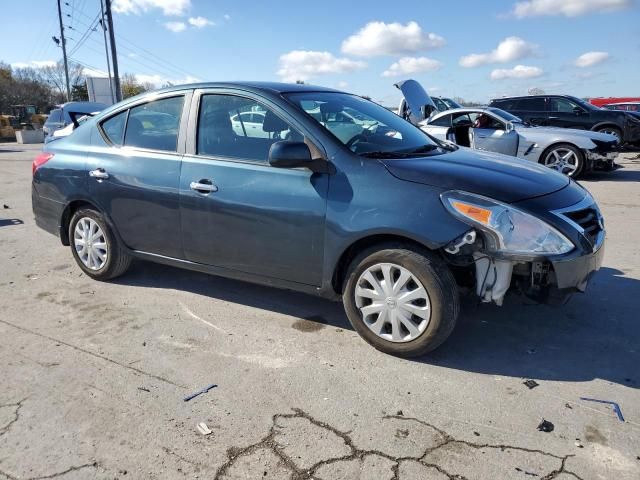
(541, 278)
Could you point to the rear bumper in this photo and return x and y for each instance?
(47, 212)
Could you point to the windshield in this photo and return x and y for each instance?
(505, 115)
(583, 104)
(364, 127)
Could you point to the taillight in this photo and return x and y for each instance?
(40, 160)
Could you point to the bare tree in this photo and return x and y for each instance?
(131, 86)
(55, 77)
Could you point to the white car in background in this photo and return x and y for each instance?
(568, 151)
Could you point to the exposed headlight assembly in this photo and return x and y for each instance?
(509, 230)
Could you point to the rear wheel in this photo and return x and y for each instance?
(94, 246)
(564, 158)
(401, 301)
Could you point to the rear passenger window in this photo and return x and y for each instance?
(114, 127)
(155, 125)
(535, 104)
(239, 127)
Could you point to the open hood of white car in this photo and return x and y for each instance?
(418, 100)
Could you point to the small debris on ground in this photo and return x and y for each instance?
(476, 434)
(616, 408)
(578, 443)
(531, 474)
(204, 429)
(568, 405)
(144, 344)
(6, 207)
(400, 413)
(531, 384)
(545, 426)
(199, 392)
(144, 389)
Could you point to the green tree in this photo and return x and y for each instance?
(131, 87)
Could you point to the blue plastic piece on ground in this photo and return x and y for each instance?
(200, 392)
(616, 407)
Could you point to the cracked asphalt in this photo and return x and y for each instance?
(93, 375)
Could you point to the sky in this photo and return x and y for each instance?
(469, 49)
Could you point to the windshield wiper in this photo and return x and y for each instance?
(383, 154)
(423, 149)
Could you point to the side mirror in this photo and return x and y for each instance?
(295, 155)
(578, 110)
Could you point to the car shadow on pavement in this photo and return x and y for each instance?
(294, 304)
(595, 335)
(620, 175)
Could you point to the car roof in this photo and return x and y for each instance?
(272, 87)
(529, 96)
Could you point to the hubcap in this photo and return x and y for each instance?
(90, 243)
(393, 302)
(611, 132)
(564, 160)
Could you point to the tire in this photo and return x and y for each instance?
(111, 260)
(572, 167)
(442, 303)
(613, 131)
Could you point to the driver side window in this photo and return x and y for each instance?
(563, 105)
(239, 127)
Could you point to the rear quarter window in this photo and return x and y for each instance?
(55, 116)
(113, 127)
(534, 104)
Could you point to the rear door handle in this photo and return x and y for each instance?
(203, 187)
(99, 173)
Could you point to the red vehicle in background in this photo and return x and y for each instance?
(601, 101)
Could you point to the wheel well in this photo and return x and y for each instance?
(342, 266)
(68, 212)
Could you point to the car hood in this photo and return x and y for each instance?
(501, 177)
(604, 137)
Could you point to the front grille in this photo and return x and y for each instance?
(589, 220)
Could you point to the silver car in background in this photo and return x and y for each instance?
(571, 152)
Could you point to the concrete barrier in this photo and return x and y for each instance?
(30, 136)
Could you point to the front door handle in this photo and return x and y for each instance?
(203, 186)
(99, 173)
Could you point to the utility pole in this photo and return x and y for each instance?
(114, 55)
(64, 52)
(106, 51)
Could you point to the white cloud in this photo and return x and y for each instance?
(200, 22)
(176, 26)
(517, 72)
(508, 50)
(34, 64)
(168, 7)
(159, 80)
(379, 38)
(227, 17)
(343, 85)
(568, 8)
(304, 64)
(590, 59)
(408, 65)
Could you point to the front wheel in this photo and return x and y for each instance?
(94, 246)
(401, 301)
(616, 132)
(564, 158)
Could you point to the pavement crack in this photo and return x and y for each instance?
(270, 442)
(18, 405)
(52, 475)
(93, 354)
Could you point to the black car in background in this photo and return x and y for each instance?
(571, 112)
